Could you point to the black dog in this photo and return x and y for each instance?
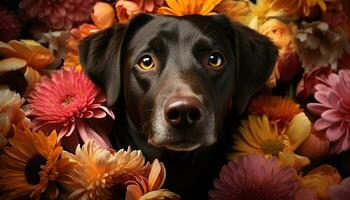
(175, 82)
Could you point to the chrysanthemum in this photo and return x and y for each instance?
(69, 103)
(98, 170)
(142, 188)
(31, 166)
(258, 135)
(188, 7)
(11, 114)
(10, 25)
(341, 191)
(279, 110)
(333, 107)
(298, 7)
(255, 177)
(63, 14)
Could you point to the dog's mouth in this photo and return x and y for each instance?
(182, 145)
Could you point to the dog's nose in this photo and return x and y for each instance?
(185, 111)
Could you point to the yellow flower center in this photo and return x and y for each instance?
(33, 168)
(272, 147)
(67, 100)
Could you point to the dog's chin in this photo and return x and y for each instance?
(182, 146)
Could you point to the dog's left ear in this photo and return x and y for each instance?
(255, 58)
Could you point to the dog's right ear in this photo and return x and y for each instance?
(101, 55)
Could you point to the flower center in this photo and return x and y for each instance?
(272, 147)
(33, 168)
(67, 100)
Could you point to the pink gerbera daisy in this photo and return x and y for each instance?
(333, 95)
(69, 103)
(255, 177)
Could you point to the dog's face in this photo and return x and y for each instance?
(178, 76)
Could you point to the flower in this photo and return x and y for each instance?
(98, 170)
(279, 110)
(11, 114)
(236, 10)
(69, 103)
(341, 191)
(335, 15)
(288, 65)
(188, 7)
(306, 86)
(10, 25)
(297, 7)
(150, 6)
(31, 165)
(255, 177)
(258, 135)
(315, 146)
(126, 10)
(333, 108)
(142, 188)
(103, 15)
(58, 15)
(320, 179)
(319, 46)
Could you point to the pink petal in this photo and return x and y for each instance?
(321, 124)
(87, 133)
(334, 132)
(332, 115)
(317, 108)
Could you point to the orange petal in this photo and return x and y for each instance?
(22, 50)
(133, 192)
(103, 15)
(32, 77)
(41, 57)
(7, 51)
(157, 175)
(12, 64)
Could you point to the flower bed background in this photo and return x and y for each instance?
(293, 142)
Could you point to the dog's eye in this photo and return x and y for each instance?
(146, 62)
(215, 60)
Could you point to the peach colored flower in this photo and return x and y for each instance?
(126, 10)
(320, 179)
(103, 15)
(236, 10)
(149, 187)
(149, 6)
(315, 146)
(11, 114)
(297, 7)
(189, 7)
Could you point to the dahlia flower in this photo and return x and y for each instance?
(258, 135)
(57, 15)
(188, 7)
(69, 103)
(319, 46)
(11, 114)
(320, 179)
(333, 108)
(341, 191)
(279, 110)
(142, 188)
(126, 10)
(103, 15)
(236, 10)
(10, 25)
(255, 177)
(31, 166)
(98, 170)
(297, 7)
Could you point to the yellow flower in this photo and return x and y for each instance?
(188, 7)
(279, 110)
(258, 135)
(297, 7)
(98, 170)
(31, 166)
(142, 188)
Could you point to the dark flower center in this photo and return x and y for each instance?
(67, 100)
(33, 168)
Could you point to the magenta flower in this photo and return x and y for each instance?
(341, 191)
(62, 14)
(333, 95)
(71, 104)
(255, 177)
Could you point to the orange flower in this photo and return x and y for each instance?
(279, 110)
(103, 15)
(127, 10)
(297, 7)
(189, 7)
(142, 188)
(315, 146)
(236, 10)
(24, 57)
(320, 179)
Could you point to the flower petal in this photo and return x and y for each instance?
(12, 64)
(298, 130)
